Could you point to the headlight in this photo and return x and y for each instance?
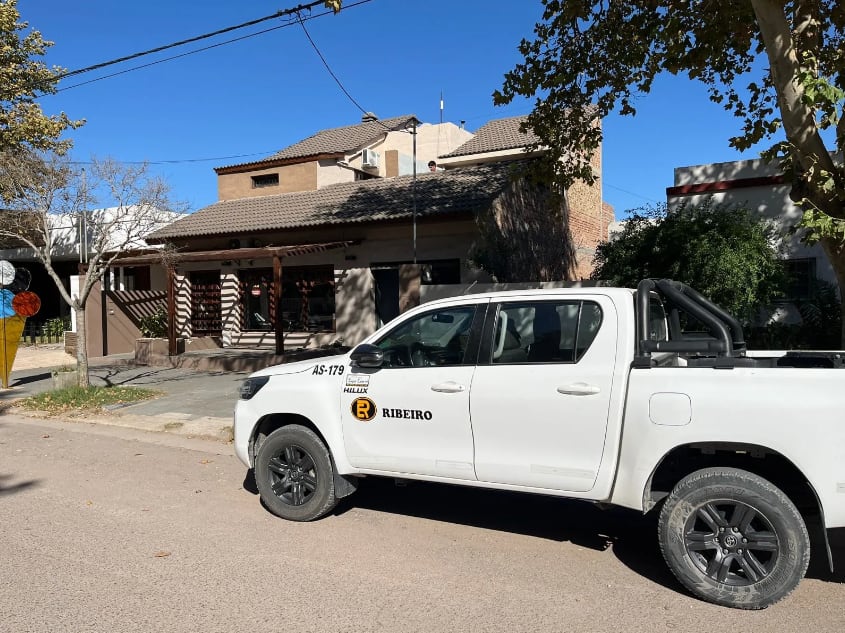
(251, 386)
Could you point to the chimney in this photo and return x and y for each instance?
(368, 117)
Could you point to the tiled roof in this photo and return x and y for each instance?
(340, 140)
(496, 136)
(460, 190)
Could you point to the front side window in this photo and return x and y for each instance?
(544, 331)
(437, 338)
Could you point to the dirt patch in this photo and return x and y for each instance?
(38, 356)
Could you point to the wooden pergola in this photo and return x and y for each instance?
(276, 253)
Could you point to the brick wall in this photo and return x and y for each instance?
(589, 218)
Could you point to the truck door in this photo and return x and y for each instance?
(541, 392)
(411, 415)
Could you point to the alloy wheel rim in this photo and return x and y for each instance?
(293, 475)
(731, 542)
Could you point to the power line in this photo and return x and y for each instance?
(286, 12)
(631, 193)
(180, 160)
(328, 68)
(331, 72)
(158, 49)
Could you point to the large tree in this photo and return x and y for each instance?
(776, 65)
(55, 211)
(23, 77)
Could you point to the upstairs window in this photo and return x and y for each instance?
(265, 180)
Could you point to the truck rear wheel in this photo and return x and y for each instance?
(733, 538)
(294, 474)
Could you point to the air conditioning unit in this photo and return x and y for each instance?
(369, 159)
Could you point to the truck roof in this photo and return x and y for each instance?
(620, 293)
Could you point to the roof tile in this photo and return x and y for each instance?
(496, 136)
(459, 190)
(339, 140)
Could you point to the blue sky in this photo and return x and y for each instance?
(246, 100)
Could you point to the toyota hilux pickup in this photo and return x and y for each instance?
(646, 399)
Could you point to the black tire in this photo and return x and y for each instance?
(733, 538)
(294, 474)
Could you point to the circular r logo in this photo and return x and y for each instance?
(363, 409)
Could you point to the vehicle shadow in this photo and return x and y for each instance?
(819, 567)
(631, 536)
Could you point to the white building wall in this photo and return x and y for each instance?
(330, 173)
(770, 201)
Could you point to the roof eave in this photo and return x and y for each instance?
(276, 162)
(462, 214)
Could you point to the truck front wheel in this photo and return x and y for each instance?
(733, 538)
(294, 475)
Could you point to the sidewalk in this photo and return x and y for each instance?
(193, 403)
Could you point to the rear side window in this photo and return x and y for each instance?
(544, 331)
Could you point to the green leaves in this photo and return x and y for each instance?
(725, 253)
(589, 59)
(23, 77)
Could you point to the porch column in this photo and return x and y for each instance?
(277, 302)
(172, 350)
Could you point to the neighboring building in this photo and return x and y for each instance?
(72, 247)
(760, 187)
(373, 148)
(336, 234)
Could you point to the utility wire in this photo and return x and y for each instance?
(326, 64)
(158, 49)
(286, 12)
(180, 160)
(331, 72)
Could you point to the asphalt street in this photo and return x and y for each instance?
(111, 529)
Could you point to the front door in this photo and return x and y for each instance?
(412, 414)
(541, 393)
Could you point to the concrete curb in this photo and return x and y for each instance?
(207, 428)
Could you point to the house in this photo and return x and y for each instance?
(502, 140)
(761, 187)
(331, 237)
(374, 148)
(73, 238)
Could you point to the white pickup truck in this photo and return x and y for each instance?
(601, 394)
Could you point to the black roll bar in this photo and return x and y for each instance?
(726, 328)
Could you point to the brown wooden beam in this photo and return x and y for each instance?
(277, 301)
(235, 253)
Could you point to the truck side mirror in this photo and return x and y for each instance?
(366, 355)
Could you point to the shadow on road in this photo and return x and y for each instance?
(631, 536)
(122, 375)
(10, 489)
(23, 380)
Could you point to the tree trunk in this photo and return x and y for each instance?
(834, 248)
(81, 346)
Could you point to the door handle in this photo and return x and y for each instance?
(579, 389)
(448, 387)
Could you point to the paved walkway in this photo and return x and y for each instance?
(192, 403)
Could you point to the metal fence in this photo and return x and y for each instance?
(50, 331)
